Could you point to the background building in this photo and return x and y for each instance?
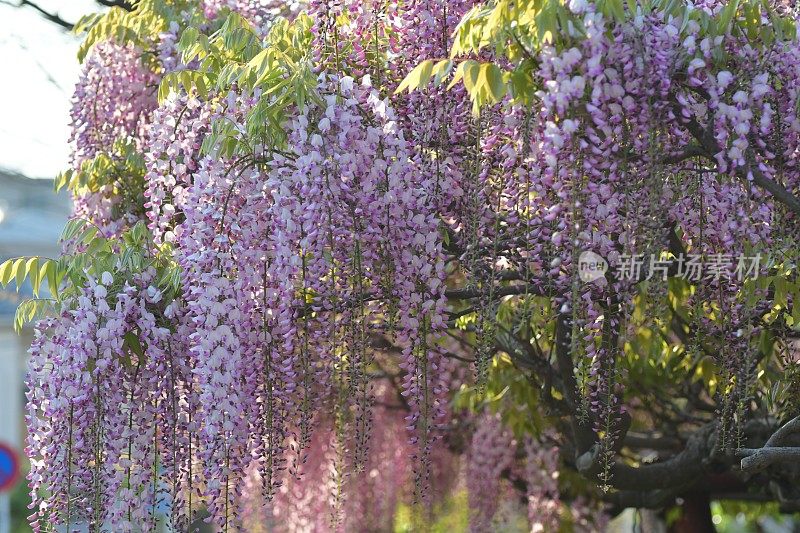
(32, 217)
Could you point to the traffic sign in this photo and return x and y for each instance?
(9, 467)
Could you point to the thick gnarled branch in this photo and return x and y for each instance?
(757, 459)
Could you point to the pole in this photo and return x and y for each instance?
(5, 513)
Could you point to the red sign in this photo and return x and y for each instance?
(9, 467)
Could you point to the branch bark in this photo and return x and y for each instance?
(789, 428)
(757, 459)
(583, 434)
(679, 471)
(512, 290)
(778, 191)
(124, 4)
(52, 17)
(55, 18)
(708, 148)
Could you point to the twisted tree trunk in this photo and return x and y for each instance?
(696, 515)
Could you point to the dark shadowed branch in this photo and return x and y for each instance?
(51, 17)
(55, 18)
(124, 4)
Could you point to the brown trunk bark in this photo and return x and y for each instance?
(696, 515)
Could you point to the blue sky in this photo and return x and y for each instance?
(38, 69)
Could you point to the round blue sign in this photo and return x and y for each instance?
(9, 467)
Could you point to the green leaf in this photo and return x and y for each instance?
(53, 279)
(547, 23)
(441, 70)
(21, 271)
(86, 22)
(414, 79)
(495, 82)
(425, 73)
(72, 228)
(186, 81)
(88, 235)
(617, 10)
(796, 310)
(188, 37)
(132, 342)
(29, 310)
(458, 75)
(522, 86)
(163, 89)
(33, 274)
(726, 16)
(471, 71)
(6, 272)
(782, 286)
(63, 179)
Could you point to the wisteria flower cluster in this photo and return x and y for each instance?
(316, 294)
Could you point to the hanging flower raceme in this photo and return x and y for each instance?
(111, 104)
(106, 404)
(174, 141)
(541, 476)
(491, 452)
(319, 229)
(287, 262)
(113, 99)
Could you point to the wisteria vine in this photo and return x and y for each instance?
(287, 277)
